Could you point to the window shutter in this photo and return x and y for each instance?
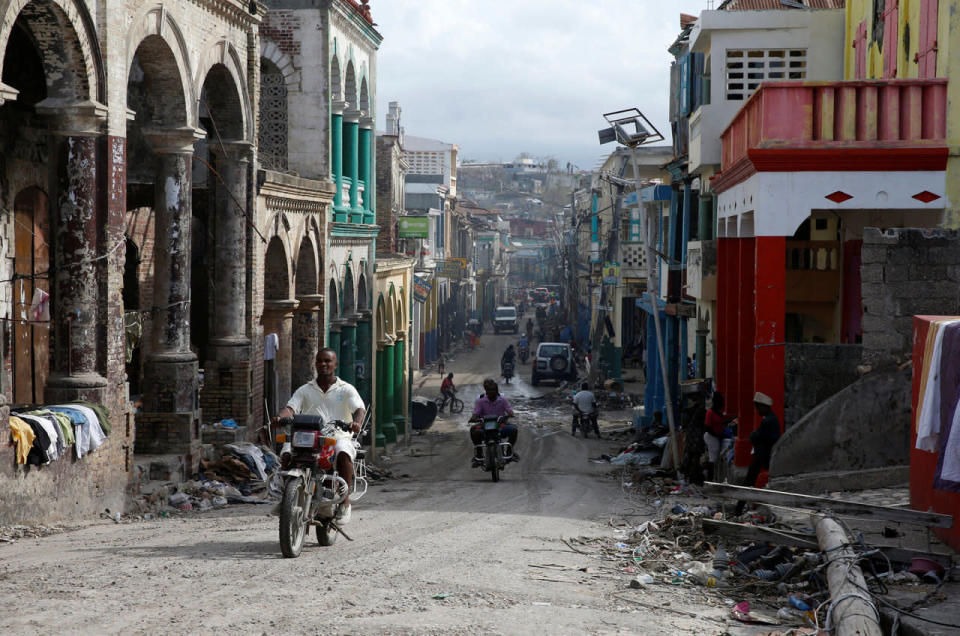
(891, 38)
(685, 85)
(927, 51)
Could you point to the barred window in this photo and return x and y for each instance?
(746, 68)
(272, 125)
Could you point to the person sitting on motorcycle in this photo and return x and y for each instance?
(491, 403)
(447, 390)
(584, 403)
(524, 344)
(529, 329)
(333, 399)
(510, 355)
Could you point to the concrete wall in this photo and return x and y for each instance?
(905, 272)
(813, 373)
(866, 425)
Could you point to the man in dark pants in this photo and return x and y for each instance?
(763, 439)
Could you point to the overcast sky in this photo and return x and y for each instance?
(501, 77)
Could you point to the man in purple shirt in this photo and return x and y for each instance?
(491, 403)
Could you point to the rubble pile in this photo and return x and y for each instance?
(10, 534)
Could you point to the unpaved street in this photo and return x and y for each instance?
(442, 550)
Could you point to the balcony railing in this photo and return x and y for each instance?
(840, 116)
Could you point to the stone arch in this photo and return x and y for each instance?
(65, 36)
(363, 300)
(168, 67)
(402, 309)
(270, 51)
(381, 317)
(276, 271)
(336, 82)
(306, 273)
(350, 85)
(221, 70)
(349, 298)
(364, 103)
(273, 116)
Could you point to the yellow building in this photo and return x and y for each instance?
(911, 39)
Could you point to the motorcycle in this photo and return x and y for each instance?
(524, 354)
(312, 490)
(496, 452)
(506, 370)
(585, 423)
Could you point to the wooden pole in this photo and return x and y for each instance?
(853, 613)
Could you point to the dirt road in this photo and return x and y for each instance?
(442, 550)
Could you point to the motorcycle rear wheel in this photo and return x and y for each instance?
(326, 535)
(292, 523)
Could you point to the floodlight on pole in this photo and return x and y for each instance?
(631, 128)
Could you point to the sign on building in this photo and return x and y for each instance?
(421, 289)
(611, 273)
(449, 269)
(414, 227)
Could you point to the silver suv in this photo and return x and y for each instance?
(554, 361)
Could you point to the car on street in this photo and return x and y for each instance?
(554, 361)
(505, 319)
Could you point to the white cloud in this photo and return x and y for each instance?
(499, 77)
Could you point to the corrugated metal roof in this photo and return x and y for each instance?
(766, 5)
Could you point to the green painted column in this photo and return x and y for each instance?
(333, 342)
(367, 156)
(336, 150)
(363, 359)
(348, 353)
(389, 428)
(381, 439)
(399, 419)
(351, 159)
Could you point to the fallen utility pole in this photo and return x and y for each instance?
(851, 611)
(837, 506)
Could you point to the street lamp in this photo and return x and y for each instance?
(630, 128)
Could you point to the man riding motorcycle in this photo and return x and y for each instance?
(491, 403)
(333, 399)
(585, 403)
(529, 329)
(524, 346)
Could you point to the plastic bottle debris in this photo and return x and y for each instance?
(799, 604)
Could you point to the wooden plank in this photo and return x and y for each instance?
(840, 507)
(745, 532)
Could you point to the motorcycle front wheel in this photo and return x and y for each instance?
(293, 527)
(492, 463)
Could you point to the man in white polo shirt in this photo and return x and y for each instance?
(333, 399)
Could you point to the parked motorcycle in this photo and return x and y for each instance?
(496, 451)
(506, 370)
(312, 490)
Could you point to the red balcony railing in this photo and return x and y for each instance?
(838, 116)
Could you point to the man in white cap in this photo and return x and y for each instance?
(763, 439)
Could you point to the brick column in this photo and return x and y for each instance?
(76, 325)
(227, 371)
(306, 340)
(278, 318)
(170, 375)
